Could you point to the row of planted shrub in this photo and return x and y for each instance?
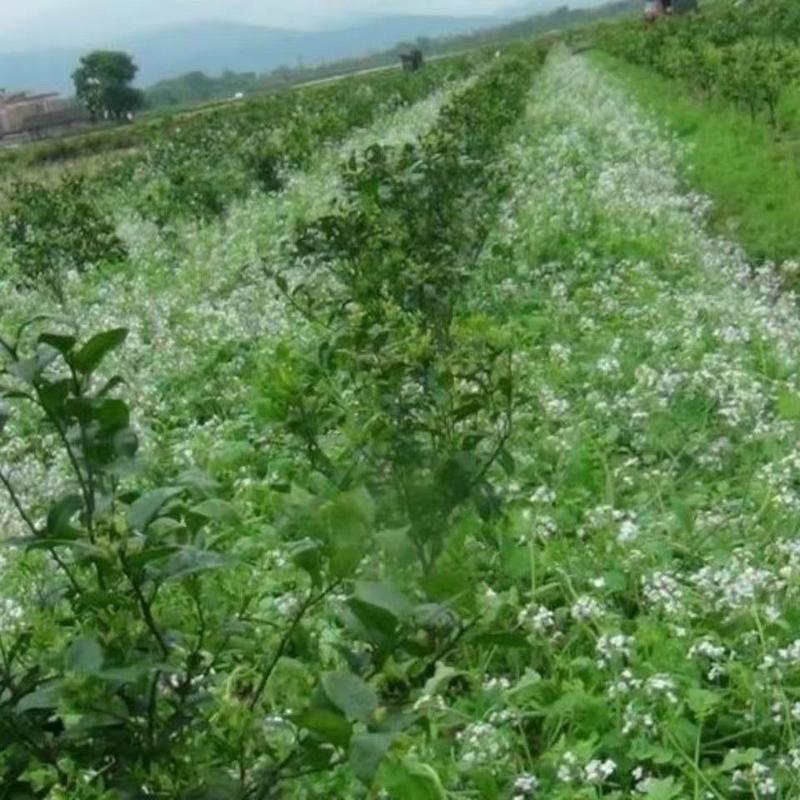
(745, 54)
(160, 633)
(194, 170)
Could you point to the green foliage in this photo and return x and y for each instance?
(171, 655)
(103, 84)
(747, 55)
(53, 230)
(435, 397)
(136, 682)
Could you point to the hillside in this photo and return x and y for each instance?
(214, 47)
(197, 86)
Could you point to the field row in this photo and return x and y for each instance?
(179, 629)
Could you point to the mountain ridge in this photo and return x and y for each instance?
(214, 47)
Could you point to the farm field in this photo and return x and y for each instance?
(448, 451)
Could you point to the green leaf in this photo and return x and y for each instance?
(59, 518)
(146, 508)
(384, 596)
(366, 753)
(352, 696)
(702, 702)
(44, 698)
(413, 781)
(379, 607)
(63, 344)
(215, 787)
(112, 413)
(327, 725)
(196, 479)
(735, 759)
(53, 396)
(441, 679)
(217, 511)
(26, 370)
(125, 443)
(348, 522)
(91, 355)
(85, 656)
(124, 674)
(307, 555)
(789, 405)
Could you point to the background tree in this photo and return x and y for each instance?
(103, 84)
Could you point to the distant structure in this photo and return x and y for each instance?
(412, 61)
(24, 117)
(655, 9)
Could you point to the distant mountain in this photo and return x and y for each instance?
(214, 47)
(529, 8)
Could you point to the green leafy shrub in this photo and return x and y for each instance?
(740, 55)
(434, 398)
(144, 668)
(756, 72)
(58, 228)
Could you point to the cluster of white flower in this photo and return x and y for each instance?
(661, 686)
(536, 618)
(543, 495)
(598, 772)
(525, 786)
(637, 721)
(586, 608)
(197, 290)
(706, 650)
(560, 353)
(758, 778)
(482, 744)
(11, 613)
(662, 591)
(613, 648)
(696, 325)
(735, 586)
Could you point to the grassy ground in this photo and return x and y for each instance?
(751, 174)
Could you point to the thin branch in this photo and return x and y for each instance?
(144, 606)
(33, 529)
(18, 505)
(310, 602)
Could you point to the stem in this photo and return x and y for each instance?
(17, 504)
(144, 606)
(699, 773)
(32, 527)
(310, 602)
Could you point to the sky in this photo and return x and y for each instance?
(58, 23)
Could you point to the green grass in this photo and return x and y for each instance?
(751, 173)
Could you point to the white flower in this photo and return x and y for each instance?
(538, 619)
(611, 647)
(526, 785)
(608, 365)
(628, 532)
(544, 495)
(598, 772)
(586, 608)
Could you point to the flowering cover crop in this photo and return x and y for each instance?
(461, 464)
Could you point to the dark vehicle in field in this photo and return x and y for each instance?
(412, 61)
(659, 8)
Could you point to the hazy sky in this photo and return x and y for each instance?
(70, 22)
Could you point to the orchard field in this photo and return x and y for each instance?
(415, 437)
